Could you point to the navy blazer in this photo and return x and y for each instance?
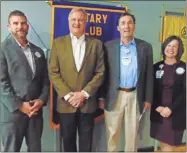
(178, 105)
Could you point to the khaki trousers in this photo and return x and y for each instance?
(126, 109)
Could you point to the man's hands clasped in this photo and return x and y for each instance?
(76, 99)
(32, 107)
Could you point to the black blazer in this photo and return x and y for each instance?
(178, 105)
(145, 72)
(17, 81)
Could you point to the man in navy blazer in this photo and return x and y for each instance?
(129, 83)
(24, 87)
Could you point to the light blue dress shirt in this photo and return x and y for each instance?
(128, 65)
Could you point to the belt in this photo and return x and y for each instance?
(127, 89)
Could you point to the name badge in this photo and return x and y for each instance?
(126, 60)
(159, 74)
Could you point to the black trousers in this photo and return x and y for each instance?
(13, 133)
(69, 124)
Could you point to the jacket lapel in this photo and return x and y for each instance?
(69, 52)
(113, 61)
(139, 55)
(159, 80)
(87, 51)
(117, 59)
(22, 58)
(35, 55)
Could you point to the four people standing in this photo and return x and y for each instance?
(76, 70)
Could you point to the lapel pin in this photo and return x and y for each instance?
(38, 54)
(180, 70)
(161, 66)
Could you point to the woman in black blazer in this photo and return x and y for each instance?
(168, 111)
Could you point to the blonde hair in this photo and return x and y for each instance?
(78, 9)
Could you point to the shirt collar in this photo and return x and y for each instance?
(27, 45)
(74, 37)
(130, 43)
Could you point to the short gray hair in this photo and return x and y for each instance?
(78, 9)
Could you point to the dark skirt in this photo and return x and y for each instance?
(164, 133)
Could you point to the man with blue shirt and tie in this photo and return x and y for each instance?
(129, 86)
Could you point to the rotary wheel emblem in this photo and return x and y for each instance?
(183, 33)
